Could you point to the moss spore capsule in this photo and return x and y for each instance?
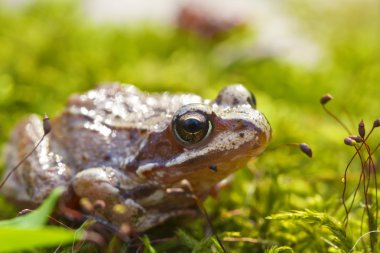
(306, 149)
(350, 142)
(361, 129)
(325, 99)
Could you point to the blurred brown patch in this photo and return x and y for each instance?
(205, 23)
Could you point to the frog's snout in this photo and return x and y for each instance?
(254, 130)
(265, 132)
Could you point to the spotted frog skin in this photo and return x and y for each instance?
(145, 152)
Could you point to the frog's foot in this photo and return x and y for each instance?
(178, 201)
(40, 173)
(155, 217)
(127, 202)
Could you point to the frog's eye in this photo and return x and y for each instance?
(235, 95)
(191, 127)
(252, 100)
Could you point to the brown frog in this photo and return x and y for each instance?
(137, 150)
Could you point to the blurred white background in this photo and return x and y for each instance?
(277, 33)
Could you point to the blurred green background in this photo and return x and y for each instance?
(50, 50)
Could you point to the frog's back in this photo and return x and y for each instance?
(109, 125)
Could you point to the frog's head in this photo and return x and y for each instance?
(205, 142)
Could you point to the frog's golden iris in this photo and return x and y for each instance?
(191, 127)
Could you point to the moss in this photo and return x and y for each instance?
(49, 51)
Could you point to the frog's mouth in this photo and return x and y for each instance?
(205, 170)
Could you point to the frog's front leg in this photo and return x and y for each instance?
(38, 175)
(139, 204)
(109, 185)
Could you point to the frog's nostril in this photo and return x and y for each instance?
(213, 168)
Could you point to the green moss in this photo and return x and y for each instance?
(49, 51)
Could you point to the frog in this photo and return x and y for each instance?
(145, 156)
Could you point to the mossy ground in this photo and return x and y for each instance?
(49, 51)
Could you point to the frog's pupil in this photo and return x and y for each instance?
(192, 125)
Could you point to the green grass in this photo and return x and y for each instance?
(28, 231)
(49, 51)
